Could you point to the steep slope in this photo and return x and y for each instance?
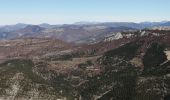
(20, 80)
(123, 80)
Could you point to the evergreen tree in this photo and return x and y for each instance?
(154, 56)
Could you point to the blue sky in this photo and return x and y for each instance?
(69, 11)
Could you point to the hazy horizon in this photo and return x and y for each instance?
(68, 12)
(82, 22)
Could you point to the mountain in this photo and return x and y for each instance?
(46, 25)
(24, 32)
(132, 65)
(165, 24)
(105, 33)
(82, 32)
(31, 29)
(69, 33)
(85, 23)
(9, 28)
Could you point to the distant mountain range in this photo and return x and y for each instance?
(77, 32)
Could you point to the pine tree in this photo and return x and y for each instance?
(154, 56)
